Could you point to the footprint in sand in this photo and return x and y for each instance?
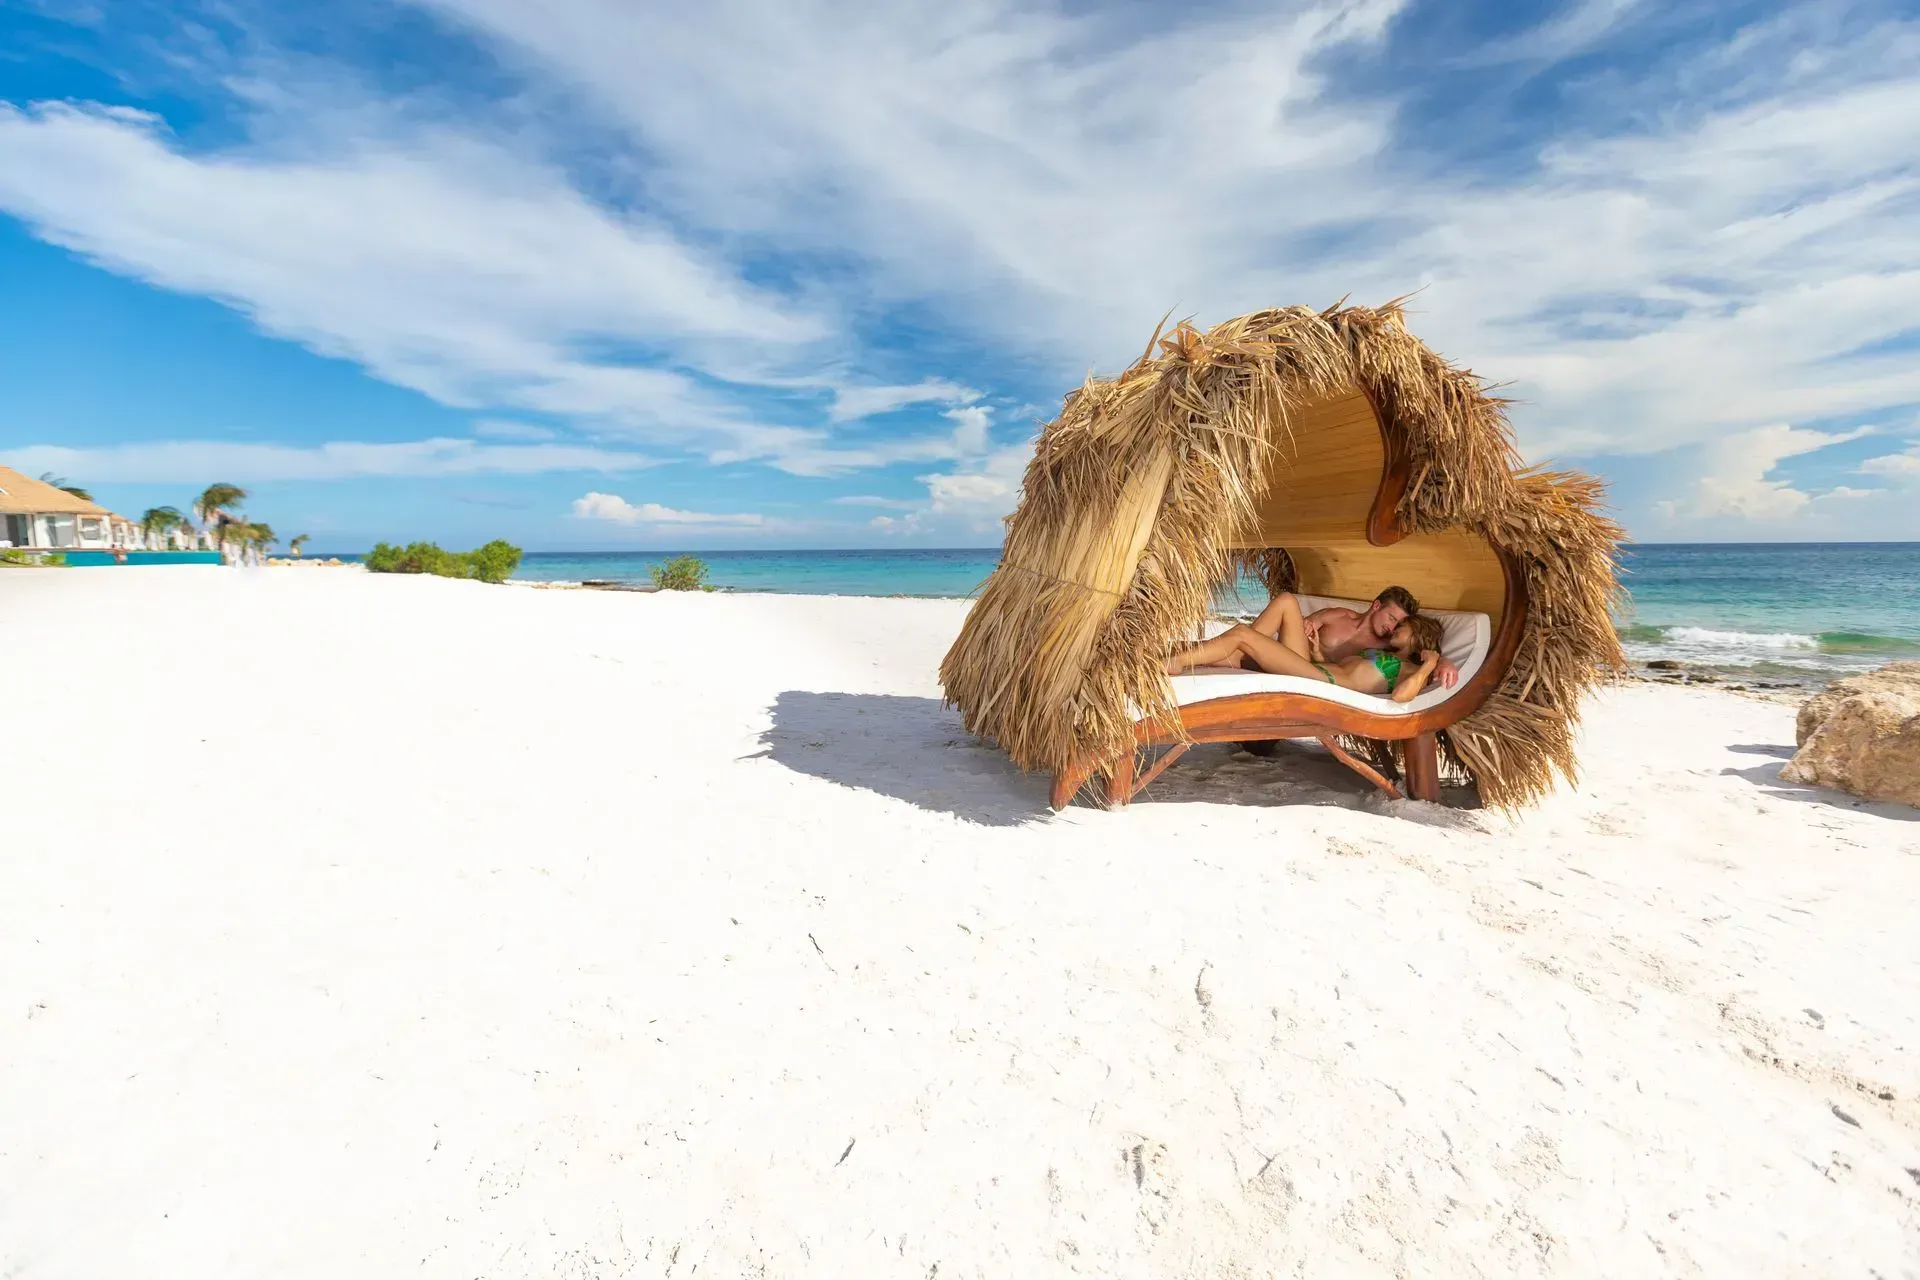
(1147, 1165)
(1615, 822)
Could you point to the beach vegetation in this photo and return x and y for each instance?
(10, 556)
(297, 544)
(215, 507)
(493, 562)
(682, 573)
(161, 520)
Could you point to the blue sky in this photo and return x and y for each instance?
(587, 273)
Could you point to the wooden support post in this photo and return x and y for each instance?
(1423, 767)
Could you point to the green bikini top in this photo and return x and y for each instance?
(1388, 662)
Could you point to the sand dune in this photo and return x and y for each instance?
(372, 926)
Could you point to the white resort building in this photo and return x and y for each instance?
(35, 514)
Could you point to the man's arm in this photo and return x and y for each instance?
(1342, 621)
(1446, 673)
(1320, 617)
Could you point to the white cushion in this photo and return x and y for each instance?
(1464, 639)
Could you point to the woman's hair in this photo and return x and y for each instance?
(1423, 632)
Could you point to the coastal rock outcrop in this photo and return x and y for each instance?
(1862, 734)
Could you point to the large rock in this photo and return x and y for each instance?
(1862, 734)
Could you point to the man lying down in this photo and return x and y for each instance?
(1390, 650)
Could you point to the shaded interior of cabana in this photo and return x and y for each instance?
(1337, 477)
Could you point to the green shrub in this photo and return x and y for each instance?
(494, 562)
(682, 573)
(11, 556)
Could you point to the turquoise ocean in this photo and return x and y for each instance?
(1791, 611)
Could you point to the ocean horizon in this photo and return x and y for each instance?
(1792, 611)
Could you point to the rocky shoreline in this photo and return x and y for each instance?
(1768, 689)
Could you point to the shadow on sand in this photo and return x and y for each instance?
(915, 750)
(1767, 778)
(912, 749)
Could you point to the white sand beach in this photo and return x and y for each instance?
(369, 926)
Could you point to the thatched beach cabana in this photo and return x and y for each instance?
(1327, 452)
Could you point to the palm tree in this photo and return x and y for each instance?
(233, 535)
(212, 506)
(261, 536)
(161, 521)
(299, 541)
(58, 482)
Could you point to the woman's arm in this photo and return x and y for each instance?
(1408, 687)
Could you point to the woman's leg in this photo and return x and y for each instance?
(1223, 648)
(1276, 656)
(1242, 640)
(1283, 620)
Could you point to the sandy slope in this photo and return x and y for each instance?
(362, 926)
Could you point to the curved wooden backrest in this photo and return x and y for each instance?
(1336, 483)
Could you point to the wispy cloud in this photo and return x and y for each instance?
(972, 499)
(617, 510)
(1738, 478)
(1724, 255)
(850, 403)
(439, 261)
(1899, 466)
(1719, 247)
(502, 429)
(191, 461)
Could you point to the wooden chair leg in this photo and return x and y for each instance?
(1067, 783)
(1359, 766)
(1120, 781)
(1159, 766)
(1423, 767)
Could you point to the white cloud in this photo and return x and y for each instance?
(869, 500)
(438, 261)
(1735, 478)
(1726, 247)
(1901, 466)
(806, 452)
(850, 403)
(196, 461)
(501, 429)
(973, 500)
(1731, 255)
(1569, 32)
(970, 429)
(614, 508)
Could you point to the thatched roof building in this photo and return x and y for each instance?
(1326, 451)
(22, 495)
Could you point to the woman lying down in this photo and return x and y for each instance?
(1277, 643)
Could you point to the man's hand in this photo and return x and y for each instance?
(1448, 674)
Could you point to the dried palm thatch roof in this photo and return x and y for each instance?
(23, 495)
(1139, 491)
